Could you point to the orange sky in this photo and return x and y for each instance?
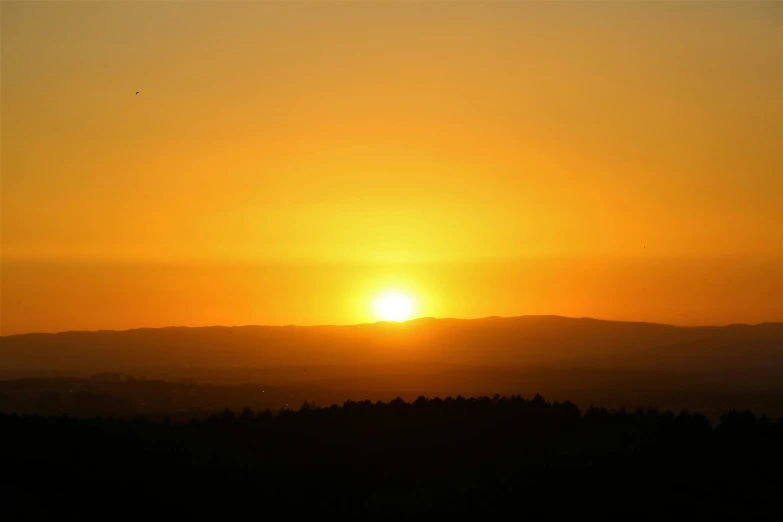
(283, 162)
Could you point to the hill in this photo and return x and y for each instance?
(524, 342)
(179, 371)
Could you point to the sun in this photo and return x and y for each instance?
(393, 306)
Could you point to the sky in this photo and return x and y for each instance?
(286, 162)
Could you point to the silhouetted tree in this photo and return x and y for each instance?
(482, 457)
(247, 415)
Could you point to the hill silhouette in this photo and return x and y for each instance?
(517, 341)
(194, 371)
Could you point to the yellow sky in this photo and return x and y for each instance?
(610, 159)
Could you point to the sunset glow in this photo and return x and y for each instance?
(393, 306)
(284, 162)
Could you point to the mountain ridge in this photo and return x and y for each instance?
(523, 341)
(418, 320)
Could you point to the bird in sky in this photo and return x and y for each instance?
(137, 92)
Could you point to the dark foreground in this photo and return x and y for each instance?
(496, 458)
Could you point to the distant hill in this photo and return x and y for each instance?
(518, 342)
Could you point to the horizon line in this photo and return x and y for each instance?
(423, 318)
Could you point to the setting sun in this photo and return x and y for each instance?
(393, 306)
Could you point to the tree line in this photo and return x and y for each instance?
(478, 456)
